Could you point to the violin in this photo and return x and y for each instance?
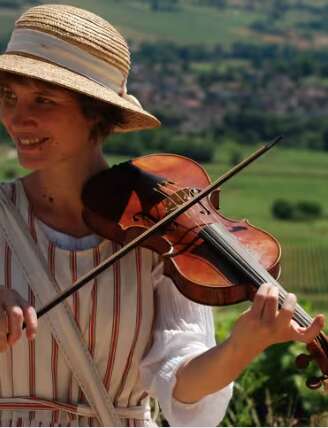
(211, 259)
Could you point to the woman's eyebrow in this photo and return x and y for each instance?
(38, 87)
(3, 83)
(48, 91)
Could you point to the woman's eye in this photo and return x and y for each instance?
(6, 95)
(43, 100)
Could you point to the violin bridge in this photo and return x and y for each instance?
(178, 197)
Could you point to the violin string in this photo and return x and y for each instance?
(303, 319)
(255, 276)
(299, 314)
(323, 342)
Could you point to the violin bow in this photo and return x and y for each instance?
(160, 224)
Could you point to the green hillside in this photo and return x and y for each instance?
(138, 22)
(197, 22)
(190, 24)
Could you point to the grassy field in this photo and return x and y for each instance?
(138, 22)
(209, 25)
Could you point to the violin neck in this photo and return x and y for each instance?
(224, 242)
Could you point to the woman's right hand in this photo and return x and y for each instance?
(14, 310)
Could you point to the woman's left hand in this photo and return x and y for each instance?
(265, 324)
(256, 329)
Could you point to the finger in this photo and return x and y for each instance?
(271, 305)
(26, 313)
(31, 321)
(288, 308)
(15, 319)
(258, 302)
(307, 334)
(3, 331)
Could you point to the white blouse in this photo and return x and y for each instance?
(186, 332)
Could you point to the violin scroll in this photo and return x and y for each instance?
(317, 382)
(303, 360)
(317, 352)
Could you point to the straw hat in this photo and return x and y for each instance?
(78, 50)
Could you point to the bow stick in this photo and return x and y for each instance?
(160, 224)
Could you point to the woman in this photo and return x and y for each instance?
(63, 89)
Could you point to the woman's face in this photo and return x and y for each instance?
(44, 121)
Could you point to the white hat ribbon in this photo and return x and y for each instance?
(72, 57)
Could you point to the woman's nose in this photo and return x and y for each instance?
(22, 116)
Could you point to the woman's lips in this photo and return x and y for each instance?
(31, 146)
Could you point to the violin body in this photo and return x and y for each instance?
(196, 269)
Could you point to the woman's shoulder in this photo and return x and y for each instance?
(9, 186)
(14, 191)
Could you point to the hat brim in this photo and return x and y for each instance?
(135, 118)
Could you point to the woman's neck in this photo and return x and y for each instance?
(55, 193)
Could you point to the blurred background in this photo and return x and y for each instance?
(225, 76)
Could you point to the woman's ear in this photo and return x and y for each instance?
(95, 127)
(94, 135)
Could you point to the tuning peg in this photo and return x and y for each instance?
(303, 360)
(315, 382)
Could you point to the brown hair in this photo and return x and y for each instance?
(109, 115)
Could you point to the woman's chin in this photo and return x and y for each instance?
(29, 163)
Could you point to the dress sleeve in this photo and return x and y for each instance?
(183, 329)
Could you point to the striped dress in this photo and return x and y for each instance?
(115, 313)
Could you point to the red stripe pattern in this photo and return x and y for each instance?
(116, 322)
(116, 337)
(31, 300)
(137, 327)
(54, 345)
(76, 312)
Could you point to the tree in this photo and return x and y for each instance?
(167, 5)
(325, 140)
(283, 209)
